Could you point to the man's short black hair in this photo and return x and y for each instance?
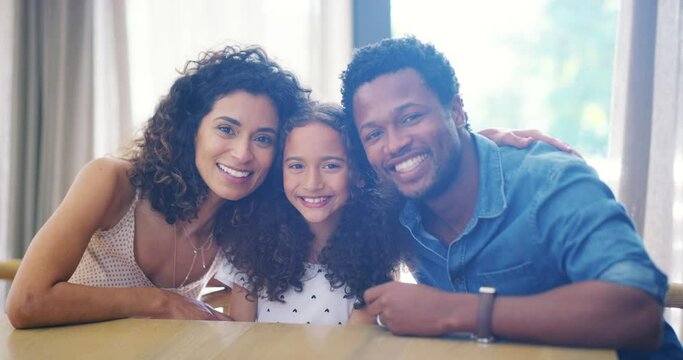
(392, 55)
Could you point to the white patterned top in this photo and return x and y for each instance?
(109, 261)
(317, 303)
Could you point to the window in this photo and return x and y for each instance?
(544, 64)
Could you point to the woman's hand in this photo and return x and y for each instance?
(174, 306)
(523, 138)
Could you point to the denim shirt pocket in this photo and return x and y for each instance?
(522, 279)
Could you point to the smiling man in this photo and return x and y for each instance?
(524, 244)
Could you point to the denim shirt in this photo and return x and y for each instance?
(543, 219)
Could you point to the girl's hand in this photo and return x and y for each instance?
(523, 138)
(174, 306)
(361, 317)
(242, 308)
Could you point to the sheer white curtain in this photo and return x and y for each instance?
(65, 80)
(6, 69)
(313, 38)
(112, 112)
(647, 137)
(663, 225)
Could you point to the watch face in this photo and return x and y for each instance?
(487, 290)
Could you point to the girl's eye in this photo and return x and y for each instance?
(228, 130)
(264, 139)
(331, 166)
(295, 166)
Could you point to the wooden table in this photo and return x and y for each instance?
(181, 339)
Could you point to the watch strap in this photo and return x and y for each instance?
(484, 331)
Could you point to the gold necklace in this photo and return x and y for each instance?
(196, 250)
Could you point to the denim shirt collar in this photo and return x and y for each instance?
(491, 201)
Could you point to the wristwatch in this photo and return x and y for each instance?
(484, 333)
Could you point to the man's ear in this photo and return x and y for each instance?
(457, 112)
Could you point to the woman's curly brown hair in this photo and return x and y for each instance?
(269, 243)
(163, 159)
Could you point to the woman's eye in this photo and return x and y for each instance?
(295, 166)
(228, 130)
(263, 139)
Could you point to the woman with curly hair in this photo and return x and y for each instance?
(327, 237)
(138, 236)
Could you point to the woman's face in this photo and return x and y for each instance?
(235, 144)
(316, 173)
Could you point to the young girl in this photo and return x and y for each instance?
(137, 237)
(325, 241)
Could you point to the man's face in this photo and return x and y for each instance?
(410, 138)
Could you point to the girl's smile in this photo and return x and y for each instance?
(316, 173)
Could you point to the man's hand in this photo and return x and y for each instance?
(408, 309)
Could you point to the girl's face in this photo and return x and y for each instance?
(235, 144)
(316, 173)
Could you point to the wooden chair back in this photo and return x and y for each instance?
(674, 298)
(8, 268)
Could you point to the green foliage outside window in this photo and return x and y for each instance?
(558, 65)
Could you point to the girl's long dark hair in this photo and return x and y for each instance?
(269, 242)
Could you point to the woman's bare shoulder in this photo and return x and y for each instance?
(110, 166)
(111, 172)
(107, 178)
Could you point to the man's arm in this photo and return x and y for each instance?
(590, 313)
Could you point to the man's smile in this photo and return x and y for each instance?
(409, 164)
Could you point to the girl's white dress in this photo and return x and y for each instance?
(317, 303)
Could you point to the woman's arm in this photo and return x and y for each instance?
(241, 307)
(524, 138)
(40, 294)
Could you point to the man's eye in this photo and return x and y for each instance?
(410, 118)
(373, 135)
